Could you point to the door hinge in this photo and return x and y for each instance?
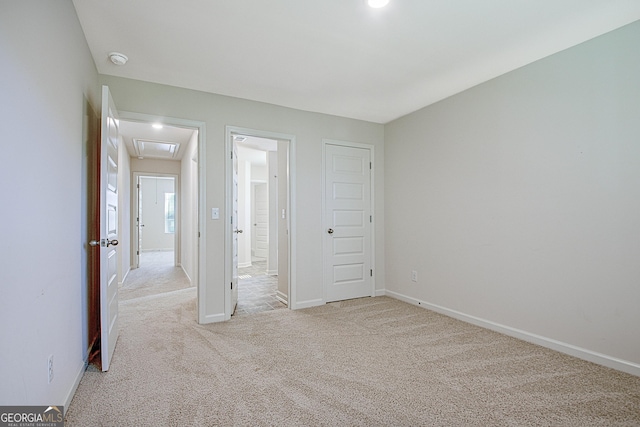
(232, 154)
(198, 234)
(137, 252)
(138, 185)
(231, 285)
(370, 218)
(371, 272)
(370, 165)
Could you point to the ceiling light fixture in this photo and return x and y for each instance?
(118, 58)
(157, 126)
(377, 3)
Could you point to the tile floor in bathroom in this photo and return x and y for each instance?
(257, 290)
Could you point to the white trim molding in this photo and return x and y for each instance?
(571, 350)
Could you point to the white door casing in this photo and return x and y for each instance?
(347, 222)
(109, 144)
(289, 230)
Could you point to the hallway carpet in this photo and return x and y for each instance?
(364, 362)
(157, 274)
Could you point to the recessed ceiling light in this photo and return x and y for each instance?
(377, 3)
(118, 58)
(157, 126)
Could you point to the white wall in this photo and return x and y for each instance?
(49, 88)
(155, 166)
(189, 209)
(309, 128)
(518, 201)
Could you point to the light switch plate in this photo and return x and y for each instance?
(215, 213)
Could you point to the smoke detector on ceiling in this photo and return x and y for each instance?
(118, 58)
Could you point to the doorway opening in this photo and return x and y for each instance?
(260, 233)
(160, 213)
(156, 226)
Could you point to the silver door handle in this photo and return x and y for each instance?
(330, 231)
(104, 242)
(239, 231)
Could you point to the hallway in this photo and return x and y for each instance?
(156, 275)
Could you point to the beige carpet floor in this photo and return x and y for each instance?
(157, 274)
(365, 362)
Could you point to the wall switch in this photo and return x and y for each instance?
(50, 369)
(414, 276)
(215, 213)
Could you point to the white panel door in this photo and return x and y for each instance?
(347, 221)
(262, 221)
(234, 228)
(109, 144)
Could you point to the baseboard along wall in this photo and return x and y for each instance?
(581, 353)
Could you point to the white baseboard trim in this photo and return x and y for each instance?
(380, 292)
(309, 303)
(211, 318)
(185, 273)
(244, 264)
(74, 386)
(581, 353)
(282, 297)
(272, 272)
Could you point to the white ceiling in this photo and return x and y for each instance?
(131, 131)
(338, 56)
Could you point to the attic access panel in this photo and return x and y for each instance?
(148, 149)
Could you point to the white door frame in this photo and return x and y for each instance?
(371, 149)
(200, 277)
(291, 210)
(135, 241)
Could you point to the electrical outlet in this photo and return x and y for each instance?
(414, 276)
(50, 370)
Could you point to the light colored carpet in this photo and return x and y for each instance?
(365, 362)
(157, 274)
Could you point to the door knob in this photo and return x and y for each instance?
(330, 231)
(239, 231)
(104, 242)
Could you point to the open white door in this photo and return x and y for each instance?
(261, 224)
(234, 228)
(107, 241)
(139, 224)
(347, 220)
